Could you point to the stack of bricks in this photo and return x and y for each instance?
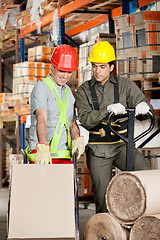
(138, 46)
(85, 69)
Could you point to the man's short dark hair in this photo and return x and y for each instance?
(112, 63)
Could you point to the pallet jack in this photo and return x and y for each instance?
(130, 140)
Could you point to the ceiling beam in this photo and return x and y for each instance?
(62, 11)
(70, 7)
(141, 3)
(90, 24)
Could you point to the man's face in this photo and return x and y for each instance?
(60, 77)
(101, 71)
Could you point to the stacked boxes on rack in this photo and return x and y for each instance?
(10, 102)
(40, 54)
(27, 74)
(85, 70)
(137, 43)
(4, 101)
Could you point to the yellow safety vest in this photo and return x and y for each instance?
(62, 121)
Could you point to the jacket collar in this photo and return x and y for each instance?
(111, 79)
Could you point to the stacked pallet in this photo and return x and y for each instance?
(85, 69)
(138, 50)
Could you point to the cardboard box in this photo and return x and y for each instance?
(42, 202)
(84, 182)
(83, 54)
(144, 17)
(81, 162)
(121, 21)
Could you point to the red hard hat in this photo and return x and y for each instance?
(64, 58)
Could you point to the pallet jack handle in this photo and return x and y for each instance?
(74, 160)
(130, 140)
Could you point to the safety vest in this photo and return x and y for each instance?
(101, 134)
(62, 121)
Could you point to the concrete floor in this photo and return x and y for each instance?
(84, 214)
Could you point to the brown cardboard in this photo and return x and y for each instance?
(42, 202)
(84, 182)
(81, 162)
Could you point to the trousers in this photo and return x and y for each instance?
(100, 169)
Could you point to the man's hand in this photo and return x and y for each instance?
(141, 109)
(43, 154)
(78, 146)
(116, 108)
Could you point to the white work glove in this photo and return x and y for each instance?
(141, 109)
(43, 154)
(116, 108)
(78, 146)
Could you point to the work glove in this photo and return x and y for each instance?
(116, 108)
(43, 154)
(78, 146)
(141, 109)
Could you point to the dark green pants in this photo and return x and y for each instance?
(100, 169)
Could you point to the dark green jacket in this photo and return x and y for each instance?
(129, 96)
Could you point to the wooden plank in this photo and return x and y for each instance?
(9, 118)
(9, 35)
(143, 3)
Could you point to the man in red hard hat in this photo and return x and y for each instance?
(53, 122)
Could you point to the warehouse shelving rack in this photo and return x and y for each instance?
(62, 11)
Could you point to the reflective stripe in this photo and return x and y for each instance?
(30, 156)
(122, 131)
(92, 132)
(64, 154)
(112, 124)
(62, 121)
(105, 142)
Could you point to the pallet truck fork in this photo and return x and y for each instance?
(130, 140)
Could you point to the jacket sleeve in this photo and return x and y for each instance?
(87, 116)
(136, 96)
